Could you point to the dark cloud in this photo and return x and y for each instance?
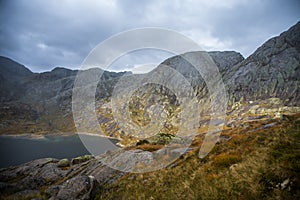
(45, 34)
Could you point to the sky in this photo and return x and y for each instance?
(43, 35)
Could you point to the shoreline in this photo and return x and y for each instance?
(61, 134)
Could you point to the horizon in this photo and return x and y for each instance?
(150, 68)
(45, 35)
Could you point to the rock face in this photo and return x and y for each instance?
(155, 101)
(223, 59)
(45, 178)
(273, 70)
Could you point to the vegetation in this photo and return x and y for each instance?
(261, 164)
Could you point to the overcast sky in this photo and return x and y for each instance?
(46, 34)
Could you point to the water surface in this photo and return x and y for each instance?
(18, 150)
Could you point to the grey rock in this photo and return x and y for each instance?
(127, 161)
(44, 176)
(271, 71)
(78, 187)
(26, 194)
(12, 77)
(285, 184)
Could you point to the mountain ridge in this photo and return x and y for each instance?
(272, 71)
(51, 92)
(256, 155)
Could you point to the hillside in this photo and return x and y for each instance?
(36, 102)
(256, 156)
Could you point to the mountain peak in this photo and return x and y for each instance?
(10, 68)
(292, 36)
(271, 71)
(289, 39)
(60, 69)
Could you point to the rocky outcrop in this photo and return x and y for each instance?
(223, 60)
(273, 70)
(46, 178)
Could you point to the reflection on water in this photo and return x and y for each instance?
(18, 150)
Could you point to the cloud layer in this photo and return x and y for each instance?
(46, 34)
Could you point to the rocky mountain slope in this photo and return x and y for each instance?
(12, 75)
(267, 82)
(271, 71)
(256, 157)
(36, 102)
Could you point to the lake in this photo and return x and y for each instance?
(18, 150)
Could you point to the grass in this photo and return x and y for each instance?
(226, 160)
(252, 165)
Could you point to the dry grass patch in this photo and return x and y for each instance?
(249, 166)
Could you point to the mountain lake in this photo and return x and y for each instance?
(15, 150)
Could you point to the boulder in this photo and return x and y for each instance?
(63, 163)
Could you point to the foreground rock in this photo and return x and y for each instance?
(85, 176)
(47, 179)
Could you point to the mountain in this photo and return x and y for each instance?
(271, 71)
(12, 76)
(256, 156)
(36, 102)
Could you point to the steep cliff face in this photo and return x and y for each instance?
(273, 70)
(223, 60)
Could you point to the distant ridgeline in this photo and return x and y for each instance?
(265, 83)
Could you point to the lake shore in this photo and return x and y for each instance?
(45, 136)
